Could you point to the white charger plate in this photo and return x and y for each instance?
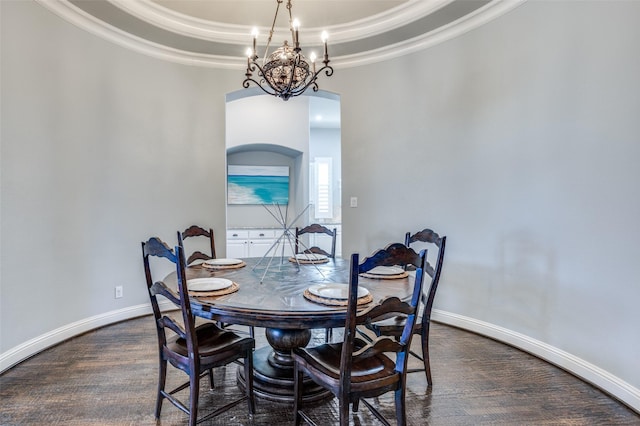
(335, 291)
(208, 284)
(222, 262)
(386, 270)
(311, 256)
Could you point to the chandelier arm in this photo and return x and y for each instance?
(247, 83)
(261, 73)
(313, 81)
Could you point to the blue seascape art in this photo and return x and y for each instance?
(258, 185)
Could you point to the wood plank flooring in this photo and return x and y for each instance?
(109, 376)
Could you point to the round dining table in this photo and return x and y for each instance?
(270, 295)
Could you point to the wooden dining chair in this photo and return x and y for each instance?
(196, 231)
(395, 326)
(193, 350)
(316, 228)
(354, 369)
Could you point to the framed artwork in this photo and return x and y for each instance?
(258, 185)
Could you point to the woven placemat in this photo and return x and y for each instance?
(220, 267)
(404, 274)
(231, 289)
(308, 261)
(336, 302)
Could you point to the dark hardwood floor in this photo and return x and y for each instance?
(108, 377)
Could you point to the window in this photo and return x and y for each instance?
(323, 188)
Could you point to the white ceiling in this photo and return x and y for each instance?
(311, 13)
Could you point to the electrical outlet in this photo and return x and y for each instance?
(119, 292)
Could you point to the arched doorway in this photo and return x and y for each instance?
(301, 135)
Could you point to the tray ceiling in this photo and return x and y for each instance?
(217, 32)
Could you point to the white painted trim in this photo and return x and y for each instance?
(87, 22)
(220, 32)
(590, 373)
(78, 17)
(31, 347)
(447, 32)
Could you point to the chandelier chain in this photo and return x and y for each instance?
(273, 25)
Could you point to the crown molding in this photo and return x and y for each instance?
(76, 16)
(220, 32)
(456, 28)
(81, 19)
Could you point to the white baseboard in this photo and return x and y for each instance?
(590, 373)
(31, 347)
(600, 378)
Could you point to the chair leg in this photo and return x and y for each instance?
(162, 378)
(328, 335)
(297, 393)
(344, 411)
(248, 377)
(211, 382)
(401, 411)
(194, 394)
(424, 338)
(356, 405)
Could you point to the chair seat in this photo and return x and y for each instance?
(212, 341)
(393, 326)
(326, 359)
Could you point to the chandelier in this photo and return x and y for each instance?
(286, 72)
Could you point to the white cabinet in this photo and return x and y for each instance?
(237, 244)
(254, 243)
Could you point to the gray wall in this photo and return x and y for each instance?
(101, 149)
(519, 140)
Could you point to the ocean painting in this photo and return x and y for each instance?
(258, 185)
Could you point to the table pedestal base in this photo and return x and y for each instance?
(273, 369)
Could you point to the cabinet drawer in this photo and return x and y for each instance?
(262, 233)
(237, 234)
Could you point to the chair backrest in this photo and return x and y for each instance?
(394, 254)
(196, 231)
(155, 247)
(431, 237)
(316, 228)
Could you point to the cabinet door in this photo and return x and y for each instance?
(259, 247)
(237, 249)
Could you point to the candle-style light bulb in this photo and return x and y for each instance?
(312, 58)
(254, 33)
(296, 27)
(249, 53)
(324, 37)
